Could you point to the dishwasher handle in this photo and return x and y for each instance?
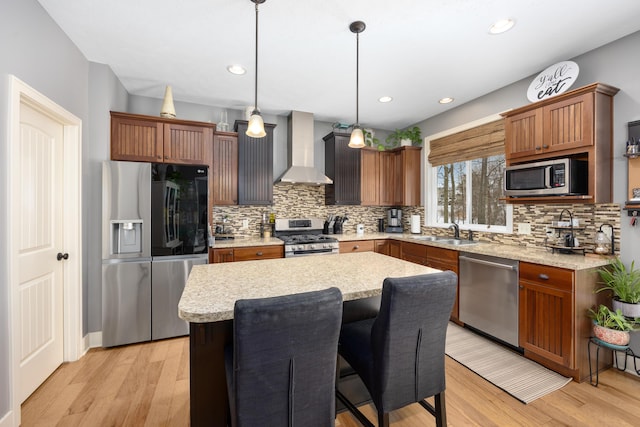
(489, 263)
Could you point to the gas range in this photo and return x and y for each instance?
(303, 236)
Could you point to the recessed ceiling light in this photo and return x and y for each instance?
(236, 69)
(501, 26)
(446, 100)
(385, 99)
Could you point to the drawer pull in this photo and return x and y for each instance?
(543, 276)
(356, 247)
(259, 253)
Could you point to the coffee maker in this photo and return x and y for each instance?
(394, 221)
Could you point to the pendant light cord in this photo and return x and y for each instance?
(255, 106)
(358, 79)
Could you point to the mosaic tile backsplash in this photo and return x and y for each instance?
(304, 201)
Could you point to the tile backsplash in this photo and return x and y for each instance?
(303, 201)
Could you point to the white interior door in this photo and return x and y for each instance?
(40, 284)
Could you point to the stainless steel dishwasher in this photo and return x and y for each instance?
(488, 299)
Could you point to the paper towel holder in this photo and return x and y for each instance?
(415, 224)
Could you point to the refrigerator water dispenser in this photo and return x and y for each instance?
(126, 236)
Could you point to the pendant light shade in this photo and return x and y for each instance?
(255, 129)
(357, 137)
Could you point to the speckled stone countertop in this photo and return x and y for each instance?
(212, 289)
(520, 253)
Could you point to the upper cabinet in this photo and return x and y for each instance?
(255, 166)
(575, 124)
(369, 177)
(136, 137)
(224, 169)
(342, 165)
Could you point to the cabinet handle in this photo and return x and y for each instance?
(545, 146)
(543, 276)
(356, 247)
(538, 148)
(521, 287)
(259, 253)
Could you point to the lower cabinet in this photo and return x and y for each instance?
(388, 247)
(546, 317)
(445, 259)
(357, 246)
(414, 252)
(247, 253)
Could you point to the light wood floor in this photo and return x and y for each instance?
(148, 385)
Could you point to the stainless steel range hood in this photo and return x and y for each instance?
(300, 152)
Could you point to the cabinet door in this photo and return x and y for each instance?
(568, 124)
(221, 255)
(342, 165)
(382, 247)
(409, 173)
(546, 313)
(258, 252)
(369, 177)
(357, 246)
(445, 259)
(388, 179)
(523, 134)
(224, 171)
(395, 248)
(136, 140)
(414, 252)
(186, 144)
(255, 166)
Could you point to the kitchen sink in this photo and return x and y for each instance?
(458, 242)
(427, 238)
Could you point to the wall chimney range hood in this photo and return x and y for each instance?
(300, 152)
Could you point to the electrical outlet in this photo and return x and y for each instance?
(524, 228)
(245, 224)
(549, 231)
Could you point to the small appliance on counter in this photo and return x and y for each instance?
(380, 225)
(394, 221)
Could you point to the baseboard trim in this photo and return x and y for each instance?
(8, 420)
(92, 340)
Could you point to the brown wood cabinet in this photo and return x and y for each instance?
(414, 252)
(224, 170)
(575, 124)
(142, 138)
(388, 247)
(554, 328)
(445, 259)
(247, 253)
(369, 177)
(398, 174)
(357, 246)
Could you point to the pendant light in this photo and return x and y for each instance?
(255, 129)
(357, 137)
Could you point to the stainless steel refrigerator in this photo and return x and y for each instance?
(153, 232)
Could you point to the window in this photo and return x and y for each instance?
(464, 180)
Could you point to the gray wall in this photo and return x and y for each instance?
(35, 50)
(616, 64)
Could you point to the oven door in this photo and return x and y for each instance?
(295, 252)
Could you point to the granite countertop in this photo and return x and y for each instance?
(519, 253)
(212, 289)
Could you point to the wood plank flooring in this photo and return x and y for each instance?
(148, 385)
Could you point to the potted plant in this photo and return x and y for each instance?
(411, 136)
(624, 284)
(611, 326)
(370, 139)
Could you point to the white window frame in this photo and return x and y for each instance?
(430, 196)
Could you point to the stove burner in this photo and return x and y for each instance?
(307, 238)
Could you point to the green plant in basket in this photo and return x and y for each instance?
(413, 134)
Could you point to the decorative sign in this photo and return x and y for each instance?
(553, 81)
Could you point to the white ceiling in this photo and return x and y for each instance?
(415, 51)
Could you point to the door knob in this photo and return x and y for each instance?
(62, 256)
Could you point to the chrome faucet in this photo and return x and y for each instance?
(456, 230)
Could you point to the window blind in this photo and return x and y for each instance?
(481, 141)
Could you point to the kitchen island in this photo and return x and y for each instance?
(212, 290)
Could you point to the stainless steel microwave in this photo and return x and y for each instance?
(559, 177)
